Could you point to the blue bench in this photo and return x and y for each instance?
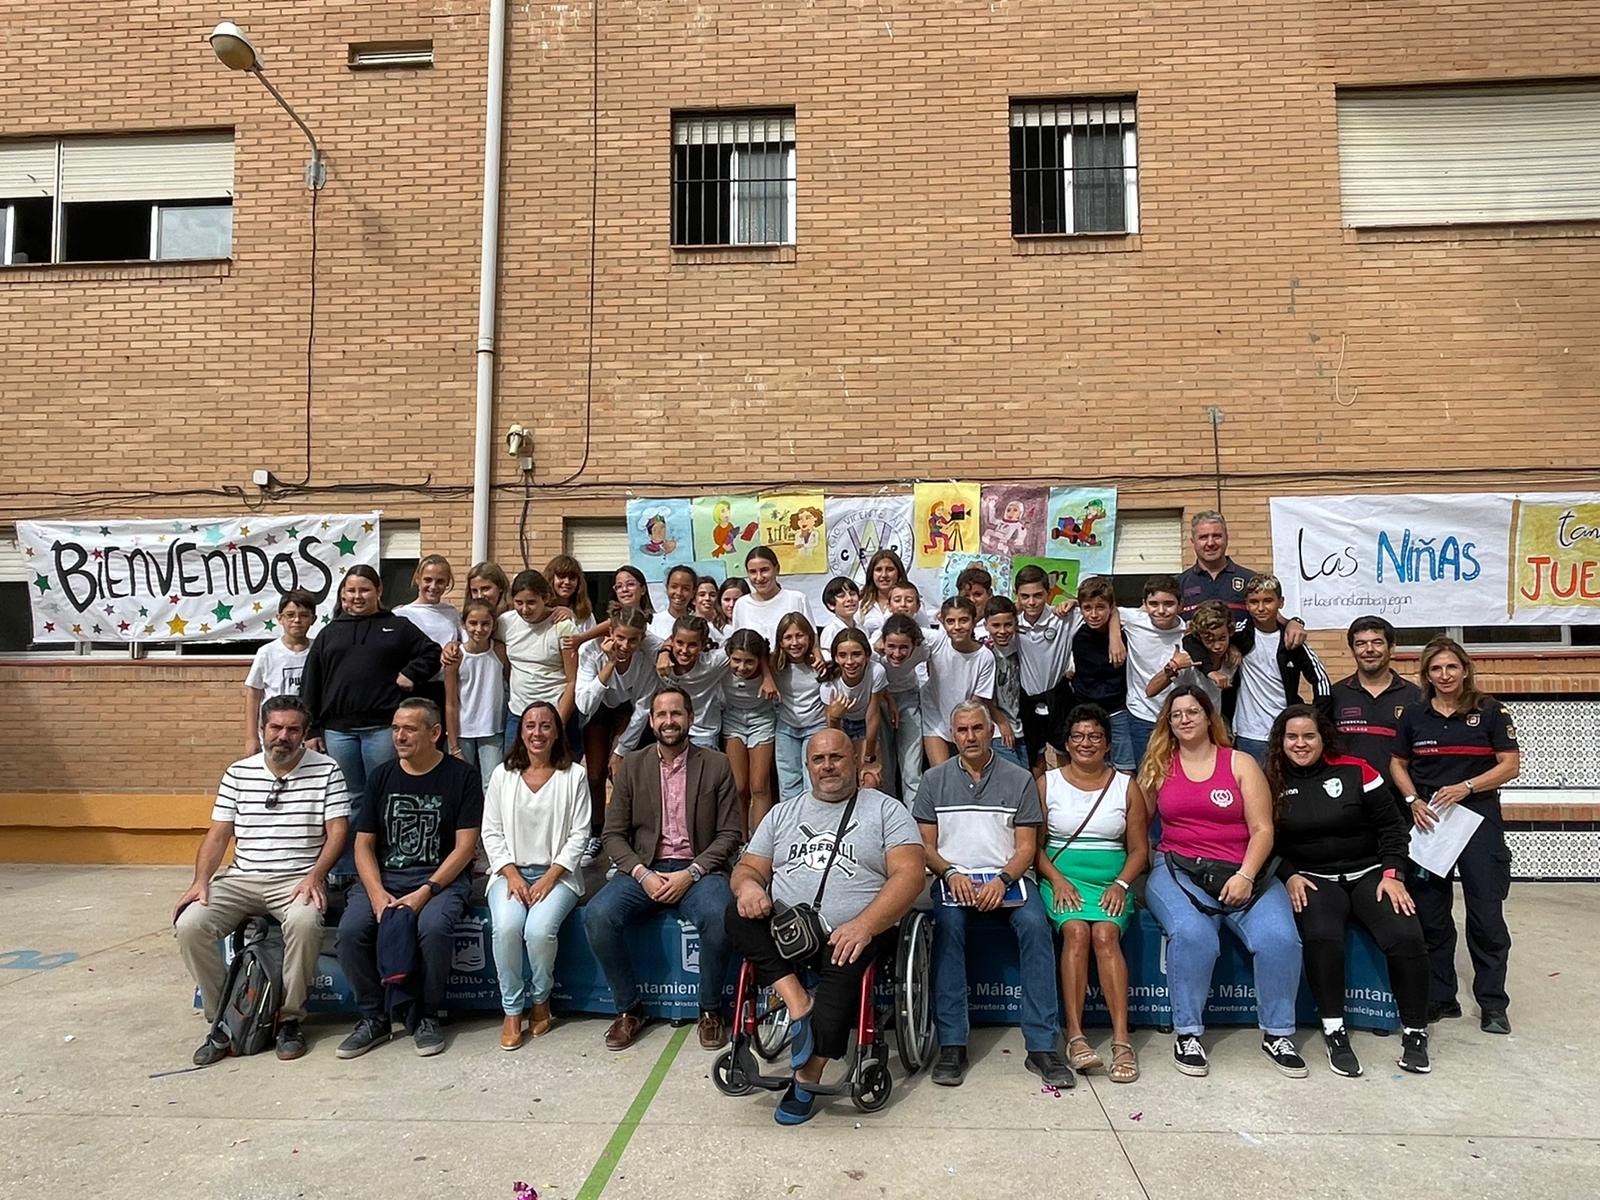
(667, 954)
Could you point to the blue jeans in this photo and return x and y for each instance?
(1017, 754)
(622, 902)
(1036, 956)
(1122, 756)
(905, 744)
(1267, 930)
(790, 752)
(516, 927)
(1139, 732)
(358, 752)
(485, 753)
(1255, 749)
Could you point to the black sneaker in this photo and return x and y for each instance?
(429, 1039)
(1341, 1057)
(291, 1042)
(210, 1052)
(1051, 1067)
(1284, 1056)
(368, 1033)
(1494, 1020)
(950, 1070)
(1443, 1010)
(1414, 1052)
(591, 851)
(1189, 1055)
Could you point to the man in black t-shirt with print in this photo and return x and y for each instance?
(415, 840)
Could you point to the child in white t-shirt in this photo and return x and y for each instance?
(843, 599)
(854, 691)
(475, 693)
(277, 665)
(801, 713)
(958, 669)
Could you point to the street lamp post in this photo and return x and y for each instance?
(235, 51)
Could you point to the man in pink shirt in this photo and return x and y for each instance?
(671, 829)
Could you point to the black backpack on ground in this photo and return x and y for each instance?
(247, 1020)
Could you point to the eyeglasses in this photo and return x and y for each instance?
(1086, 738)
(278, 785)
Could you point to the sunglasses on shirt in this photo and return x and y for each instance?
(277, 791)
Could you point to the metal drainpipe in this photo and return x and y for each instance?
(488, 280)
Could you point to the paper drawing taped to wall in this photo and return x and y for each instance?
(859, 526)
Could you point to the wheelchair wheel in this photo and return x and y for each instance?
(872, 1086)
(914, 1032)
(772, 1026)
(729, 1076)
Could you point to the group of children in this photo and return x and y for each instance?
(763, 678)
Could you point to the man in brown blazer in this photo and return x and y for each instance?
(671, 828)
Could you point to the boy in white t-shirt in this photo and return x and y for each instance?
(958, 669)
(843, 599)
(277, 665)
(1153, 633)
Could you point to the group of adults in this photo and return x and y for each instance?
(1286, 856)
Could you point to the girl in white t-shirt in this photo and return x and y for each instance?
(571, 589)
(542, 666)
(884, 571)
(750, 722)
(277, 665)
(475, 693)
(706, 606)
(728, 596)
(854, 690)
(486, 581)
(429, 612)
(681, 581)
(801, 713)
(903, 653)
(768, 600)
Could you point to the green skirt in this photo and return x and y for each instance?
(1089, 868)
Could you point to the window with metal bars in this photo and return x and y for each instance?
(733, 179)
(1074, 167)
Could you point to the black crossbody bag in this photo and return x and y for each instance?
(798, 931)
(1210, 874)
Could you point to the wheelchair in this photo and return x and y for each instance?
(896, 998)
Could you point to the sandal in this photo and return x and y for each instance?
(1124, 1063)
(1085, 1059)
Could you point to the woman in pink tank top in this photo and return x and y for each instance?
(1214, 804)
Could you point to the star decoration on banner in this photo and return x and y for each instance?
(325, 618)
(162, 540)
(326, 525)
(111, 610)
(272, 539)
(346, 546)
(172, 599)
(77, 629)
(177, 626)
(194, 529)
(124, 626)
(43, 584)
(149, 628)
(97, 629)
(292, 532)
(232, 546)
(105, 531)
(177, 527)
(49, 626)
(244, 531)
(366, 527)
(143, 611)
(222, 612)
(30, 551)
(204, 628)
(213, 535)
(256, 607)
(99, 554)
(271, 625)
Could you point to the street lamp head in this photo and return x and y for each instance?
(233, 48)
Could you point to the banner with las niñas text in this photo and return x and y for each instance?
(205, 579)
(1447, 559)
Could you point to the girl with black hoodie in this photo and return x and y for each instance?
(362, 664)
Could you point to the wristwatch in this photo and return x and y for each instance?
(695, 873)
(1468, 784)
(1410, 800)
(1123, 884)
(1006, 878)
(433, 888)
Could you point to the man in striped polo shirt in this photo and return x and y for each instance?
(287, 811)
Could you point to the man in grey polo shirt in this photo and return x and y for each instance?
(980, 816)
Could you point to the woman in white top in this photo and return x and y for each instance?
(769, 601)
(1095, 847)
(535, 823)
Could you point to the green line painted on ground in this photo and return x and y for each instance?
(600, 1173)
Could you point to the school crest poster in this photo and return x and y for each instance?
(859, 526)
(1081, 523)
(792, 525)
(726, 528)
(1013, 519)
(659, 535)
(944, 521)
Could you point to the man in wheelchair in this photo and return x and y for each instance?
(852, 855)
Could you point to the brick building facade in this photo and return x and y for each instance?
(904, 333)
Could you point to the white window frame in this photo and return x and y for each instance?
(8, 242)
(1560, 639)
(1130, 168)
(789, 199)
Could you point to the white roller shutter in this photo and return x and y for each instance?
(1148, 542)
(1073, 112)
(185, 166)
(399, 539)
(598, 543)
(732, 131)
(13, 567)
(27, 169)
(1442, 156)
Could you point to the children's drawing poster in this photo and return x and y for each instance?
(944, 521)
(792, 525)
(998, 566)
(726, 528)
(1013, 519)
(859, 526)
(660, 533)
(1062, 572)
(1082, 524)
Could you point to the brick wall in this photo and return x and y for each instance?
(906, 335)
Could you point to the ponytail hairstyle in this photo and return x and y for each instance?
(564, 566)
(871, 596)
(628, 616)
(831, 669)
(899, 623)
(747, 641)
(472, 606)
(792, 620)
(690, 623)
(360, 571)
(532, 581)
(492, 572)
(433, 560)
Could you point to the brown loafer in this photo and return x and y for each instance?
(625, 1030)
(713, 1031)
(540, 1022)
(511, 1032)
